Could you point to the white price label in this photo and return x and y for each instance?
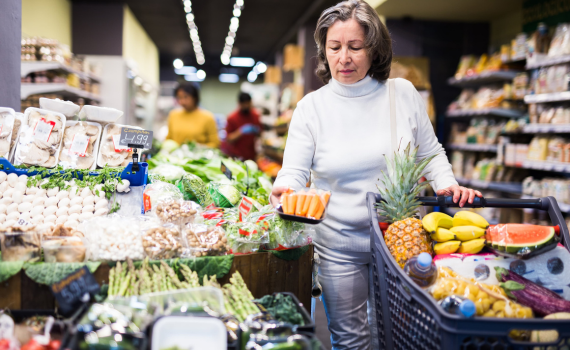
(79, 145)
(43, 129)
(118, 147)
(22, 222)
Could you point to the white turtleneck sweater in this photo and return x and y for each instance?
(342, 132)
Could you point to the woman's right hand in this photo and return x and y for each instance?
(275, 197)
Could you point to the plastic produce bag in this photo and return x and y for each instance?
(178, 212)
(80, 145)
(159, 191)
(284, 234)
(169, 172)
(490, 301)
(224, 195)
(204, 240)
(40, 138)
(162, 242)
(520, 240)
(194, 189)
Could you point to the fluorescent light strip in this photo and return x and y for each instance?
(193, 30)
(230, 39)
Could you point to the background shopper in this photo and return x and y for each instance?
(242, 129)
(191, 123)
(340, 134)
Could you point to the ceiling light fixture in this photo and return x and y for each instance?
(230, 39)
(251, 76)
(185, 70)
(193, 30)
(260, 67)
(177, 63)
(242, 61)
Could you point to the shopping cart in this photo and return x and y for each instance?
(409, 318)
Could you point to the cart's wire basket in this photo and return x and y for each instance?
(409, 318)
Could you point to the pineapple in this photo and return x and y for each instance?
(405, 236)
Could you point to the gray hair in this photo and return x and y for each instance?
(377, 43)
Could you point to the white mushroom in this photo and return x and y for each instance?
(26, 216)
(52, 192)
(61, 211)
(101, 212)
(64, 203)
(24, 207)
(62, 194)
(61, 219)
(3, 176)
(37, 210)
(76, 201)
(6, 201)
(13, 216)
(17, 197)
(51, 201)
(85, 216)
(20, 187)
(41, 192)
(31, 190)
(73, 192)
(4, 186)
(3, 208)
(50, 210)
(12, 208)
(75, 209)
(2, 218)
(37, 219)
(12, 179)
(9, 223)
(86, 192)
(71, 223)
(88, 209)
(23, 179)
(50, 218)
(8, 193)
(39, 201)
(124, 187)
(90, 200)
(74, 216)
(102, 204)
(28, 199)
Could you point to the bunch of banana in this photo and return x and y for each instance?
(460, 234)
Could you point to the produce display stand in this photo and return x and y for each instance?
(264, 274)
(409, 318)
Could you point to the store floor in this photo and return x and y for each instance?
(321, 323)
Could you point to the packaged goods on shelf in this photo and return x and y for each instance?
(549, 79)
(557, 188)
(484, 98)
(560, 44)
(479, 131)
(545, 114)
(552, 149)
(515, 154)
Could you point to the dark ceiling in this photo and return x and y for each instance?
(264, 26)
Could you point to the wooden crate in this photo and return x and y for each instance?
(263, 273)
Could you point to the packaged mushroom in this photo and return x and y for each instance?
(178, 212)
(18, 122)
(110, 152)
(40, 138)
(162, 242)
(115, 237)
(20, 243)
(63, 249)
(80, 145)
(7, 117)
(205, 240)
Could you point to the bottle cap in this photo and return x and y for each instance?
(467, 308)
(424, 260)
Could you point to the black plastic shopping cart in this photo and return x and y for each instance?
(409, 318)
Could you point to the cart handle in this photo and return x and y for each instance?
(481, 202)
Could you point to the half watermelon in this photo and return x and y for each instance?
(518, 238)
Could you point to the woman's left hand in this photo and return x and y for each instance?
(460, 193)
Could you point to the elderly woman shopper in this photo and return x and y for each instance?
(340, 133)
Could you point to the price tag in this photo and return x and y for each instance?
(22, 222)
(74, 289)
(79, 145)
(226, 171)
(136, 138)
(43, 129)
(118, 147)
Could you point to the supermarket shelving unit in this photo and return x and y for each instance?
(483, 78)
(489, 112)
(474, 147)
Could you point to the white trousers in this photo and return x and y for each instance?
(344, 277)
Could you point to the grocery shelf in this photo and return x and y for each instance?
(484, 78)
(28, 89)
(547, 61)
(497, 112)
(473, 147)
(551, 97)
(546, 166)
(505, 187)
(546, 128)
(515, 60)
(38, 66)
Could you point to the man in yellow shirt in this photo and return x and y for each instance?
(191, 123)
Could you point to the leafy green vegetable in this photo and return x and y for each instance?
(194, 189)
(224, 195)
(50, 273)
(283, 308)
(9, 269)
(291, 254)
(170, 172)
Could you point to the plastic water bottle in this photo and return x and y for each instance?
(421, 270)
(457, 305)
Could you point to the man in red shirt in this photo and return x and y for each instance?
(242, 129)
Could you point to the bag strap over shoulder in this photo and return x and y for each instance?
(393, 129)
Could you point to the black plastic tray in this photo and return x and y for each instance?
(409, 318)
(302, 219)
